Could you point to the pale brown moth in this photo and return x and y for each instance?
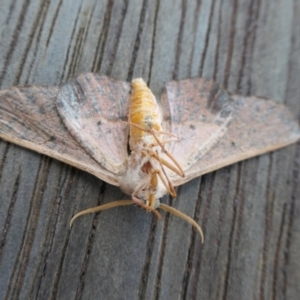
(122, 135)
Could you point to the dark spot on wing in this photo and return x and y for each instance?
(217, 98)
(226, 112)
(60, 104)
(192, 127)
(219, 122)
(88, 77)
(99, 123)
(42, 110)
(79, 91)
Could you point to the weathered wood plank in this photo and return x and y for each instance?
(249, 211)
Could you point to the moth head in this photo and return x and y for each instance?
(149, 198)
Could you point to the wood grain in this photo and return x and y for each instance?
(249, 211)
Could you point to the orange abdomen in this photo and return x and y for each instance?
(144, 112)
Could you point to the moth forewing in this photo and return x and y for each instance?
(200, 117)
(95, 121)
(29, 118)
(257, 127)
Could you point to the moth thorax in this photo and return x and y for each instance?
(143, 112)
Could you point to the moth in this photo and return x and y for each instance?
(121, 134)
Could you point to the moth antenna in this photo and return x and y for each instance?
(102, 207)
(183, 216)
(112, 205)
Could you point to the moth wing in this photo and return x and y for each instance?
(29, 118)
(94, 109)
(198, 113)
(257, 126)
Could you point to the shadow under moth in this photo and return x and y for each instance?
(118, 132)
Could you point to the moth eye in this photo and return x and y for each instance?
(42, 110)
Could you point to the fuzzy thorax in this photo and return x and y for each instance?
(136, 179)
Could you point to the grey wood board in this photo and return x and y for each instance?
(249, 211)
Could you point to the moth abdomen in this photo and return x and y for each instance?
(144, 113)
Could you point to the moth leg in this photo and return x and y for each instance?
(163, 142)
(166, 183)
(165, 163)
(152, 200)
(165, 179)
(149, 130)
(154, 133)
(171, 187)
(180, 173)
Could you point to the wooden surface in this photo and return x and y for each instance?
(250, 212)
